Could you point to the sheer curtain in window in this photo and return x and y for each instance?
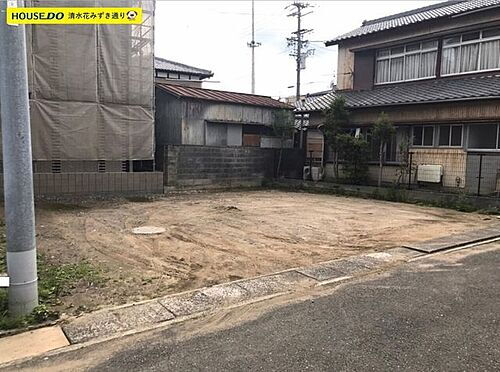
(427, 64)
(490, 55)
(397, 69)
(383, 71)
(469, 57)
(450, 60)
(412, 66)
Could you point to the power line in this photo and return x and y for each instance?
(296, 42)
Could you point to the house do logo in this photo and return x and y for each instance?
(74, 16)
(131, 15)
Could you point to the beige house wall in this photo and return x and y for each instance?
(457, 112)
(345, 68)
(452, 160)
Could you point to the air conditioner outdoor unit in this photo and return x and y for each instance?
(317, 173)
(307, 173)
(430, 173)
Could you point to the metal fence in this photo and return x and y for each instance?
(483, 174)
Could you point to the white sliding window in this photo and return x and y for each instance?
(405, 63)
(471, 52)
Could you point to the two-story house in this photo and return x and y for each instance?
(176, 73)
(436, 72)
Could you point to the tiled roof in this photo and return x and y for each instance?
(316, 102)
(444, 9)
(166, 65)
(222, 96)
(440, 90)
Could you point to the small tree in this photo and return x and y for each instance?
(383, 131)
(355, 154)
(283, 127)
(336, 117)
(405, 169)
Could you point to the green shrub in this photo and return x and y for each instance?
(354, 152)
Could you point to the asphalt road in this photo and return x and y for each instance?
(439, 314)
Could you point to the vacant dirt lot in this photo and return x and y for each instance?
(216, 237)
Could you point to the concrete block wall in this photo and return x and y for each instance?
(49, 184)
(207, 166)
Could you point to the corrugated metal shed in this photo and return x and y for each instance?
(222, 96)
(171, 66)
(443, 90)
(444, 9)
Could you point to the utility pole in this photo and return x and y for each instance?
(253, 44)
(17, 168)
(300, 50)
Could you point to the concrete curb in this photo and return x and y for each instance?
(456, 240)
(111, 323)
(107, 322)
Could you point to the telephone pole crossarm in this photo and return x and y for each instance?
(299, 46)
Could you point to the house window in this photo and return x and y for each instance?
(252, 135)
(483, 137)
(450, 135)
(390, 150)
(471, 52)
(423, 135)
(405, 63)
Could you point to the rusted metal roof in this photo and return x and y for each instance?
(222, 96)
(432, 91)
(441, 10)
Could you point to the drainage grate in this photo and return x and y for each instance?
(101, 166)
(125, 166)
(56, 166)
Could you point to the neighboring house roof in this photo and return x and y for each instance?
(222, 96)
(441, 10)
(441, 90)
(316, 101)
(176, 67)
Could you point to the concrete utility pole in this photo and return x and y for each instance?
(297, 43)
(253, 44)
(17, 168)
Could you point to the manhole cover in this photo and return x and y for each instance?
(148, 230)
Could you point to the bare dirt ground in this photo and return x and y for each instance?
(217, 237)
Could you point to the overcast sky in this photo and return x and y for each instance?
(214, 35)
